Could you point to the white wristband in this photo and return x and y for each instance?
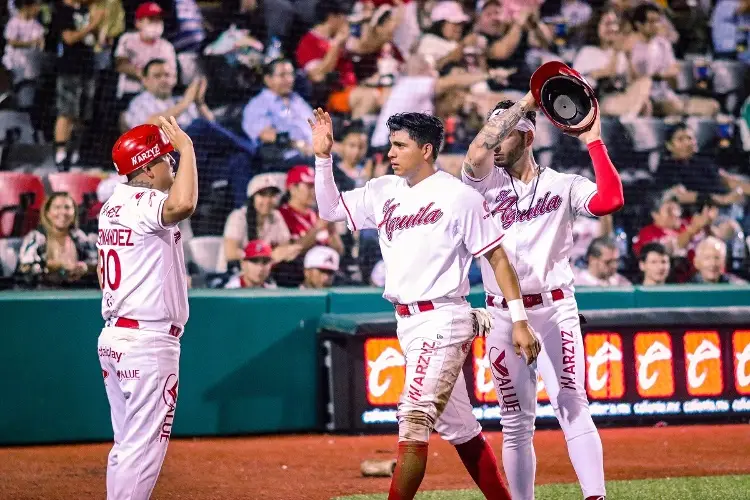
(323, 162)
(517, 310)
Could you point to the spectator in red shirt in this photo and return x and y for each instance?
(323, 50)
(678, 235)
(306, 228)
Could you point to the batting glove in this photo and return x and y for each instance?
(482, 322)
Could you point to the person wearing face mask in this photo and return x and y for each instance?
(58, 252)
(136, 48)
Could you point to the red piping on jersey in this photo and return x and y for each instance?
(609, 197)
(354, 226)
(489, 246)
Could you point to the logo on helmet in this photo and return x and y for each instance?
(149, 154)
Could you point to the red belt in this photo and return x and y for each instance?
(133, 324)
(422, 306)
(529, 301)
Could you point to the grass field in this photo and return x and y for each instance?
(680, 488)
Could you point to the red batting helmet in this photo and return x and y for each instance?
(138, 147)
(564, 96)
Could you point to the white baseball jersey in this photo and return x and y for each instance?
(428, 233)
(142, 262)
(537, 219)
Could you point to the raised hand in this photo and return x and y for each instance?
(322, 130)
(177, 137)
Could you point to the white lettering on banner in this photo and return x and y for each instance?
(146, 155)
(743, 376)
(389, 358)
(742, 404)
(705, 406)
(481, 381)
(656, 352)
(606, 353)
(656, 408)
(705, 351)
(378, 416)
(613, 409)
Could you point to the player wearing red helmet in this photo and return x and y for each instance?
(144, 299)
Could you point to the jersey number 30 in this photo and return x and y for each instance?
(110, 268)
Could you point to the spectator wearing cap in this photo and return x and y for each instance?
(321, 265)
(136, 48)
(258, 220)
(324, 50)
(652, 55)
(305, 227)
(710, 263)
(278, 115)
(729, 22)
(654, 264)
(255, 268)
(445, 41)
(76, 23)
(603, 259)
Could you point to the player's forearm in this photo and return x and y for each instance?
(327, 195)
(478, 159)
(505, 274)
(609, 197)
(183, 195)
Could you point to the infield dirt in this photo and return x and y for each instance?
(317, 467)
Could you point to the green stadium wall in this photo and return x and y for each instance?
(249, 360)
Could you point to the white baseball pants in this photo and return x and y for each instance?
(141, 373)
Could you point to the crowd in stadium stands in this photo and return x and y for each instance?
(243, 76)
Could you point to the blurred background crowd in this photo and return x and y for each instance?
(243, 76)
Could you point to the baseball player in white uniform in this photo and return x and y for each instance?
(536, 207)
(430, 227)
(144, 304)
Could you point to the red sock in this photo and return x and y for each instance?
(410, 467)
(480, 461)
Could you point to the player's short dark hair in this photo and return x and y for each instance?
(655, 247)
(421, 127)
(640, 13)
(270, 66)
(507, 104)
(326, 8)
(597, 244)
(26, 3)
(152, 62)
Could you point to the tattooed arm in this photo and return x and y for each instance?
(480, 157)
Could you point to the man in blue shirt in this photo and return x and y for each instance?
(277, 115)
(730, 24)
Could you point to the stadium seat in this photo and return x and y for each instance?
(18, 124)
(21, 198)
(646, 133)
(685, 76)
(728, 76)
(9, 251)
(705, 130)
(82, 188)
(206, 251)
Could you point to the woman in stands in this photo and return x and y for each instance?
(605, 62)
(259, 219)
(58, 252)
